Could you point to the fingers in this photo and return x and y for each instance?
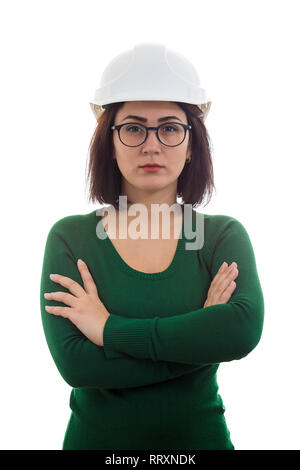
(223, 270)
(63, 297)
(222, 285)
(71, 285)
(65, 312)
(88, 281)
(224, 276)
(229, 276)
(227, 284)
(230, 288)
(225, 296)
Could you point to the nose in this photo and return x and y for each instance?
(152, 140)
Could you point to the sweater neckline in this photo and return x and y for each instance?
(169, 271)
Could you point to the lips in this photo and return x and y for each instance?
(151, 166)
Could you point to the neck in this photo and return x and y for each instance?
(159, 216)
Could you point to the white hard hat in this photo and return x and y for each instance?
(150, 71)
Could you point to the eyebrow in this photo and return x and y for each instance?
(139, 118)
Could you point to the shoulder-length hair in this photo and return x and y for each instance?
(195, 182)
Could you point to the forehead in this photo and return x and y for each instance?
(151, 109)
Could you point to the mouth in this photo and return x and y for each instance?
(151, 166)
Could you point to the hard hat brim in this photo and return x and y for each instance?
(98, 109)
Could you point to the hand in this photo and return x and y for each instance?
(222, 285)
(88, 313)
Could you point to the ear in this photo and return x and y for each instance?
(189, 147)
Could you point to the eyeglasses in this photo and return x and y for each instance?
(133, 134)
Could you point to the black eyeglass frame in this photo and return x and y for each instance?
(185, 126)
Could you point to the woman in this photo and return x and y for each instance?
(139, 329)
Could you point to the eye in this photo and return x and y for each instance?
(132, 127)
(168, 127)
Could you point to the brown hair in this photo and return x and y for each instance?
(194, 183)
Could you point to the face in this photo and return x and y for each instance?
(137, 181)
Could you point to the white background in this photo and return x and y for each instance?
(52, 57)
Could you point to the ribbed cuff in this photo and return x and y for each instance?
(127, 336)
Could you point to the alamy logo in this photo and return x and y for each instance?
(138, 228)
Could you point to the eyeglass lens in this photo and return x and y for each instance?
(135, 134)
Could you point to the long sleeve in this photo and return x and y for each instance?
(210, 335)
(81, 363)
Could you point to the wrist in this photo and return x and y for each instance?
(106, 317)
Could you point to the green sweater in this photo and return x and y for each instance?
(153, 384)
